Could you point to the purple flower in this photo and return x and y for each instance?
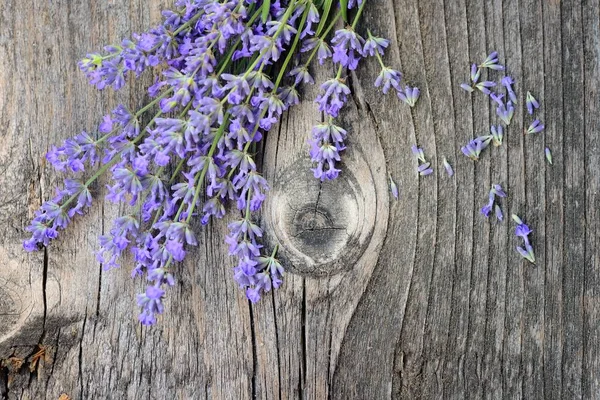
(535, 127)
(491, 62)
(499, 214)
(497, 191)
(347, 48)
(322, 48)
(497, 134)
(448, 167)
(219, 110)
(532, 103)
(388, 78)
(475, 73)
(301, 75)
(409, 95)
(548, 155)
(151, 304)
(497, 97)
(393, 188)
(474, 76)
(466, 87)
(375, 45)
(527, 253)
(334, 96)
(418, 152)
(485, 86)
(474, 148)
(505, 113)
(423, 167)
(522, 231)
(507, 82)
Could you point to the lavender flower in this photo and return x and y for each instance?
(499, 214)
(497, 97)
(548, 155)
(423, 167)
(466, 87)
(219, 110)
(474, 148)
(495, 191)
(485, 86)
(348, 48)
(474, 76)
(487, 209)
(535, 127)
(375, 45)
(326, 144)
(389, 78)
(532, 103)
(409, 95)
(393, 187)
(507, 82)
(334, 96)
(491, 62)
(497, 134)
(523, 231)
(506, 112)
(448, 167)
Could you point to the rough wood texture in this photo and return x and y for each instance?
(415, 298)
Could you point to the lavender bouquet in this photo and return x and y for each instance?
(228, 70)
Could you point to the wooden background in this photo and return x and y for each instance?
(416, 298)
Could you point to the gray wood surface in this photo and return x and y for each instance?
(416, 298)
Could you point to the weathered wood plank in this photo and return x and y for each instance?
(416, 298)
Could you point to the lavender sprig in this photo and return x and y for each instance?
(220, 111)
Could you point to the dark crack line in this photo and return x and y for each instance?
(53, 360)
(318, 198)
(330, 228)
(254, 351)
(80, 356)
(303, 361)
(277, 343)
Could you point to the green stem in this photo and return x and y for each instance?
(275, 250)
(376, 52)
(153, 102)
(200, 181)
(189, 23)
(291, 50)
(229, 54)
(358, 14)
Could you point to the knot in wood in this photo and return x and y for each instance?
(320, 226)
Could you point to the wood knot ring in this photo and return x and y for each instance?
(322, 228)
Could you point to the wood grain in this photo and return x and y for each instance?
(416, 298)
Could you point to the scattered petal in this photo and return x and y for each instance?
(448, 167)
(532, 103)
(548, 155)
